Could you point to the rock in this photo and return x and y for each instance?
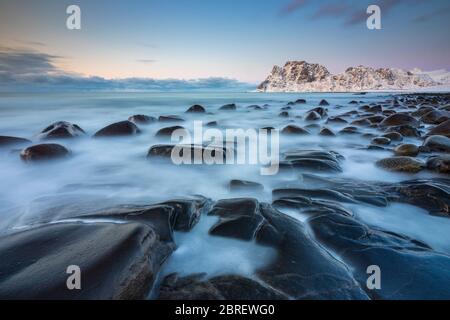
(232, 287)
(255, 107)
(400, 119)
(322, 112)
(141, 119)
(212, 124)
(393, 136)
(170, 119)
(312, 116)
(439, 164)
(165, 151)
(349, 130)
(327, 132)
(403, 164)
(360, 246)
(406, 131)
(302, 269)
(10, 141)
(196, 109)
(160, 151)
(42, 152)
(361, 122)
(61, 129)
(437, 144)
(442, 129)
(336, 120)
(300, 101)
(242, 185)
(435, 117)
(381, 141)
(117, 261)
(168, 131)
(323, 102)
(292, 129)
(353, 102)
(375, 119)
(406, 150)
(326, 161)
(123, 128)
(284, 114)
(229, 107)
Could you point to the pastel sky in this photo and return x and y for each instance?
(237, 39)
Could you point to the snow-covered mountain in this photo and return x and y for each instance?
(300, 76)
(441, 76)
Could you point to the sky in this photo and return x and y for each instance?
(220, 42)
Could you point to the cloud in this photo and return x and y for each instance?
(431, 15)
(146, 60)
(26, 62)
(33, 71)
(350, 12)
(294, 5)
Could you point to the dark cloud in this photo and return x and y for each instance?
(22, 62)
(30, 70)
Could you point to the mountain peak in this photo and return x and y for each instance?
(301, 76)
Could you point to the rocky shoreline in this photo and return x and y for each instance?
(123, 250)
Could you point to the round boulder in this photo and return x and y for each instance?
(61, 129)
(401, 164)
(437, 144)
(41, 152)
(407, 150)
(123, 128)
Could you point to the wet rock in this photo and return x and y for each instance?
(400, 119)
(442, 129)
(353, 102)
(255, 107)
(402, 164)
(228, 107)
(326, 161)
(324, 103)
(327, 132)
(168, 131)
(361, 122)
(43, 152)
(312, 116)
(393, 136)
(123, 128)
(375, 109)
(406, 131)
(232, 287)
(284, 114)
(399, 258)
(242, 185)
(381, 141)
(375, 119)
(196, 109)
(170, 119)
(286, 108)
(142, 119)
(406, 150)
(300, 101)
(212, 124)
(118, 261)
(61, 129)
(11, 141)
(435, 117)
(439, 164)
(292, 129)
(336, 120)
(349, 130)
(165, 151)
(302, 269)
(322, 112)
(437, 144)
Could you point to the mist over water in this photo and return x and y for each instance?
(103, 173)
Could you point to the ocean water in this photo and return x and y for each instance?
(103, 173)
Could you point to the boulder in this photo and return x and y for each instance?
(141, 119)
(61, 129)
(402, 164)
(40, 152)
(242, 185)
(168, 131)
(170, 119)
(439, 164)
(406, 150)
(6, 141)
(228, 107)
(442, 129)
(400, 119)
(196, 109)
(123, 128)
(294, 130)
(437, 144)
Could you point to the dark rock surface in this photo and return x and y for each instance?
(6, 141)
(123, 128)
(142, 119)
(40, 152)
(60, 130)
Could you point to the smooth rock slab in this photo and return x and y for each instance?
(117, 261)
